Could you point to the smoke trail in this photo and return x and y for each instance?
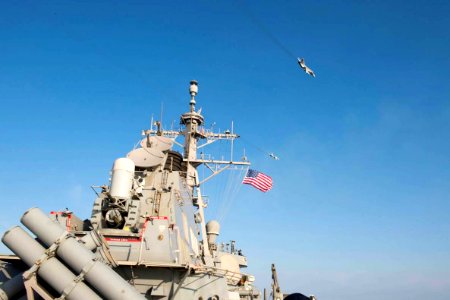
(265, 30)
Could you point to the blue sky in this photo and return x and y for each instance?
(361, 199)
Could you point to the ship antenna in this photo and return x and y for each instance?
(193, 90)
(162, 111)
(232, 141)
(151, 123)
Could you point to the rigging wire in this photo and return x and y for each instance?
(225, 196)
(235, 187)
(215, 188)
(230, 196)
(235, 193)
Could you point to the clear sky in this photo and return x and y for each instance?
(361, 202)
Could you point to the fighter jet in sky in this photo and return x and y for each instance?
(301, 63)
(274, 156)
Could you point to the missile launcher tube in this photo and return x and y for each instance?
(90, 241)
(100, 276)
(51, 270)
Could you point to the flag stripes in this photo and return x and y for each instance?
(258, 180)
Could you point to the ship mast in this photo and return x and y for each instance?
(193, 132)
(191, 121)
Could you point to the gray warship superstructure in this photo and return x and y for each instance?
(147, 237)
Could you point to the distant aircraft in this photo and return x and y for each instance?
(301, 63)
(274, 156)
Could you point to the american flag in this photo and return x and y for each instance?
(259, 180)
